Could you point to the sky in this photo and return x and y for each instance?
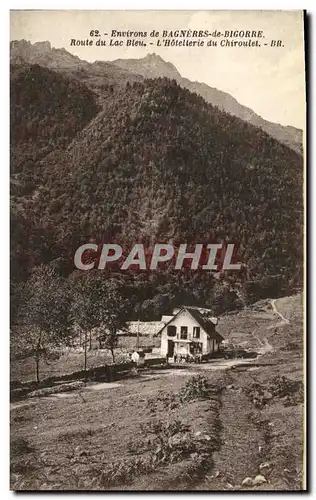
(270, 81)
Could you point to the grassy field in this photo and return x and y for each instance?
(70, 361)
(163, 430)
(73, 359)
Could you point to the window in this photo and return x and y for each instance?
(171, 330)
(196, 332)
(184, 332)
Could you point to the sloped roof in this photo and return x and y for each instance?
(207, 323)
(143, 327)
(204, 313)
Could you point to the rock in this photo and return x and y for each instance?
(247, 482)
(176, 440)
(207, 438)
(230, 387)
(267, 395)
(259, 480)
(203, 437)
(265, 465)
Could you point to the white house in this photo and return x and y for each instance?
(190, 330)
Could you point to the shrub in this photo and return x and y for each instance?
(282, 386)
(290, 391)
(163, 401)
(196, 387)
(174, 441)
(122, 471)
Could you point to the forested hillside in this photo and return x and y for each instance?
(117, 73)
(153, 66)
(152, 163)
(47, 110)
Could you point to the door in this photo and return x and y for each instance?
(170, 348)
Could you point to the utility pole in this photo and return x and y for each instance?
(137, 340)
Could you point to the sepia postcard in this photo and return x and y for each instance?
(157, 329)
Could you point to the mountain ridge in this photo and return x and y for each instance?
(150, 66)
(287, 134)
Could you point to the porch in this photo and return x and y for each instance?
(182, 349)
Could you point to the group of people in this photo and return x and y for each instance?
(187, 358)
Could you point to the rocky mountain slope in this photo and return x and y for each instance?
(153, 66)
(120, 71)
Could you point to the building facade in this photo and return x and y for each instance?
(190, 331)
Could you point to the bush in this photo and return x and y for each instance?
(168, 442)
(122, 471)
(163, 401)
(196, 387)
(290, 391)
(282, 386)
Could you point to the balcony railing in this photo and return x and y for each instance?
(184, 336)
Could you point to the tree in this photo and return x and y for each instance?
(83, 312)
(227, 296)
(155, 307)
(113, 312)
(99, 302)
(109, 339)
(44, 315)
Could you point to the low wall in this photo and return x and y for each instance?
(105, 373)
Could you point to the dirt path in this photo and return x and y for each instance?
(264, 343)
(241, 452)
(239, 455)
(283, 321)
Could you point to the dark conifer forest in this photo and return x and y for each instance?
(147, 162)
